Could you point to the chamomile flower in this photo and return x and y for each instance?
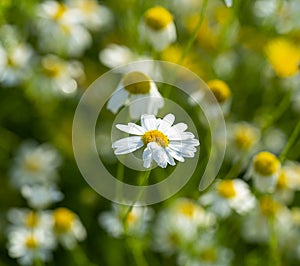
(284, 57)
(28, 246)
(158, 28)
(41, 196)
(34, 164)
(264, 170)
(67, 227)
(179, 224)
(220, 90)
(29, 219)
(162, 140)
(140, 92)
(135, 224)
(228, 195)
(256, 227)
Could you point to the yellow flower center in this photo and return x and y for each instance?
(268, 206)
(282, 180)
(187, 208)
(284, 56)
(131, 218)
(63, 220)
(31, 220)
(244, 137)
(88, 6)
(266, 163)
(155, 136)
(31, 242)
(31, 165)
(220, 89)
(208, 255)
(136, 83)
(157, 18)
(60, 11)
(52, 68)
(226, 189)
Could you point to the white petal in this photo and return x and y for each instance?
(138, 105)
(127, 145)
(117, 100)
(159, 154)
(175, 154)
(131, 128)
(147, 157)
(170, 158)
(184, 150)
(149, 122)
(166, 122)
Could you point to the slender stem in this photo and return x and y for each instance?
(120, 177)
(274, 259)
(292, 140)
(195, 32)
(233, 171)
(80, 257)
(38, 262)
(143, 183)
(137, 253)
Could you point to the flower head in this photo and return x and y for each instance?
(137, 89)
(158, 27)
(162, 140)
(220, 90)
(284, 56)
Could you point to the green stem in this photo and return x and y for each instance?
(195, 32)
(292, 140)
(80, 257)
(283, 106)
(143, 183)
(137, 252)
(233, 171)
(274, 259)
(38, 262)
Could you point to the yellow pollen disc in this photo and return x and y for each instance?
(157, 18)
(31, 242)
(220, 89)
(208, 255)
(187, 208)
(284, 56)
(155, 136)
(244, 137)
(63, 220)
(268, 206)
(282, 180)
(60, 11)
(31, 220)
(31, 165)
(136, 83)
(226, 189)
(131, 218)
(266, 163)
(52, 68)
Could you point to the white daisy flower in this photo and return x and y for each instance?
(158, 28)
(179, 225)
(34, 164)
(228, 195)
(67, 227)
(264, 170)
(90, 14)
(136, 223)
(41, 196)
(28, 246)
(162, 140)
(29, 219)
(140, 92)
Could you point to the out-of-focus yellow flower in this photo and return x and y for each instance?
(268, 206)
(226, 188)
(284, 56)
(63, 219)
(158, 18)
(220, 89)
(266, 164)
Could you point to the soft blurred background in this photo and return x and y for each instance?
(247, 51)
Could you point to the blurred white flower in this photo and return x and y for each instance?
(34, 164)
(158, 28)
(138, 91)
(228, 195)
(274, 140)
(135, 224)
(27, 246)
(264, 170)
(60, 31)
(90, 14)
(67, 227)
(179, 224)
(41, 196)
(164, 141)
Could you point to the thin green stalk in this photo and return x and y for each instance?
(143, 183)
(274, 258)
(80, 257)
(195, 32)
(137, 253)
(38, 262)
(292, 140)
